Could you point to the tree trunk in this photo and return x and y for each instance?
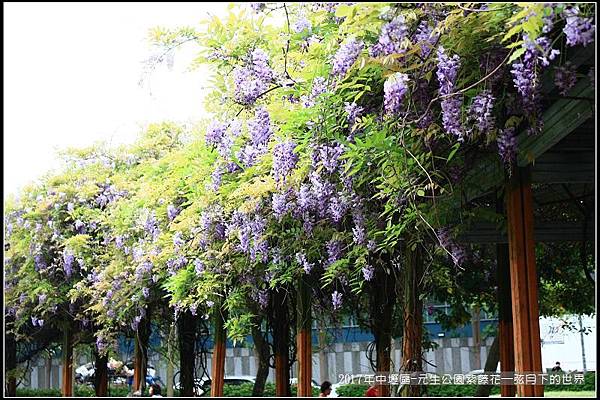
(323, 361)
(281, 343)
(67, 359)
(11, 361)
(383, 299)
(187, 355)
(101, 375)
(476, 337)
(170, 367)
(48, 384)
(142, 338)
(263, 352)
(218, 357)
(491, 364)
(413, 319)
(304, 339)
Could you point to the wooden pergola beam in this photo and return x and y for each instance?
(523, 278)
(560, 119)
(554, 231)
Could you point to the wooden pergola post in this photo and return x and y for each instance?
(505, 324)
(218, 356)
(67, 361)
(413, 320)
(523, 279)
(304, 339)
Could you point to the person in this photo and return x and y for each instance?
(154, 390)
(325, 389)
(557, 367)
(372, 391)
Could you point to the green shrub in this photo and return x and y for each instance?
(352, 390)
(80, 391)
(245, 390)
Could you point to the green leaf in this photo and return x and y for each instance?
(343, 10)
(453, 152)
(518, 53)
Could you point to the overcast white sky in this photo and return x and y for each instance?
(71, 73)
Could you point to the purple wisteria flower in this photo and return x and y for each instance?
(178, 240)
(334, 251)
(578, 30)
(507, 146)
(145, 292)
(199, 267)
(280, 205)
(303, 262)
(42, 297)
(101, 344)
(526, 77)
(216, 178)
(119, 241)
(304, 198)
(336, 299)
(565, 77)
(390, 40)
(447, 73)
(257, 7)
(284, 160)
(79, 227)
(249, 154)
(68, 259)
(457, 252)
(482, 111)
(259, 127)
(346, 56)
(394, 88)
(301, 24)
(215, 132)
(353, 111)
(136, 322)
(172, 212)
(359, 235)
(39, 262)
(337, 208)
(253, 79)
(426, 38)
(319, 86)
(263, 299)
(368, 272)
(150, 224)
(328, 156)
